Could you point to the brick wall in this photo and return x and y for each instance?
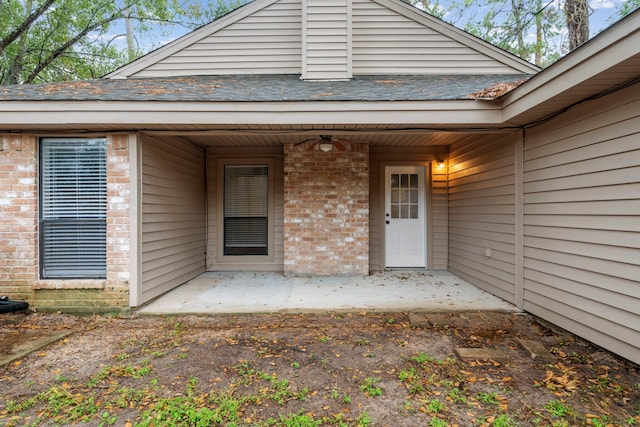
(18, 215)
(326, 210)
(19, 273)
(118, 221)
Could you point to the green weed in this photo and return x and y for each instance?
(435, 406)
(296, 420)
(488, 398)
(423, 358)
(437, 422)
(370, 387)
(412, 380)
(457, 396)
(558, 409)
(504, 421)
(364, 420)
(13, 407)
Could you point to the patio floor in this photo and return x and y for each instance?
(249, 292)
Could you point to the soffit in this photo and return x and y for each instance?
(372, 137)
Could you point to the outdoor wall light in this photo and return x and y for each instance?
(440, 163)
(325, 146)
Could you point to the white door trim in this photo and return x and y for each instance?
(405, 214)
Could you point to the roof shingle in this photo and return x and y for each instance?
(261, 88)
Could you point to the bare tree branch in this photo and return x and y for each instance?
(24, 27)
(44, 63)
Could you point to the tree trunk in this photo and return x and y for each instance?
(577, 14)
(538, 51)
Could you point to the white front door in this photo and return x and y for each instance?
(405, 214)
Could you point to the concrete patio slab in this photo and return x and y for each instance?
(249, 292)
(15, 345)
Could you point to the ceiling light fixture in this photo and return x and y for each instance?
(325, 146)
(326, 143)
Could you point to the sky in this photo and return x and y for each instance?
(604, 14)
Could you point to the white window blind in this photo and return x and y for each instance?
(73, 194)
(246, 209)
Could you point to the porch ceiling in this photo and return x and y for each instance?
(382, 137)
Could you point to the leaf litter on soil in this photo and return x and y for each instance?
(343, 369)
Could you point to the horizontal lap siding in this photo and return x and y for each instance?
(582, 222)
(267, 42)
(482, 213)
(385, 42)
(440, 219)
(173, 215)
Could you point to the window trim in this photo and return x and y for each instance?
(42, 220)
(244, 259)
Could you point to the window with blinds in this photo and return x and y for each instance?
(73, 210)
(246, 207)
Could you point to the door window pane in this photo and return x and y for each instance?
(404, 196)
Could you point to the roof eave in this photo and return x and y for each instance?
(579, 74)
(25, 115)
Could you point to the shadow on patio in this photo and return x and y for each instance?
(250, 292)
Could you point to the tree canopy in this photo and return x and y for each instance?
(540, 31)
(56, 40)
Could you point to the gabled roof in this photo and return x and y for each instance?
(320, 40)
(205, 103)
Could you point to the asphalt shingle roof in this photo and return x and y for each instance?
(261, 88)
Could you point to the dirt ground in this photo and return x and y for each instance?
(298, 370)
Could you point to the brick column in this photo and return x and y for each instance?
(326, 211)
(116, 293)
(18, 216)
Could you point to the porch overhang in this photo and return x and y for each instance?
(139, 116)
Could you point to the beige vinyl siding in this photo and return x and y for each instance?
(326, 39)
(439, 207)
(582, 222)
(437, 219)
(482, 199)
(173, 215)
(266, 42)
(386, 42)
(215, 261)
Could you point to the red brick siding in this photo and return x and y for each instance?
(19, 273)
(18, 215)
(326, 211)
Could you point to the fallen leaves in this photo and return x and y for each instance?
(562, 383)
(492, 92)
(276, 364)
